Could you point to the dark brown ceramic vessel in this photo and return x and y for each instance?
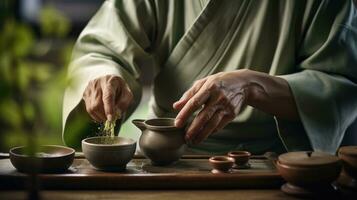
(348, 155)
(221, 164)
(241, 158)
(109, 157)
(161, 141)
(47, 159)
(309, 174)
(309, 168)
(348, 180)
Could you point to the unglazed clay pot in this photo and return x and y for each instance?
(161, 141)
(309, 168)
(348, 155)
(108, 157)
(309, 174)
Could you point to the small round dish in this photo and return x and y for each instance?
(47, 159)
(241, 159)
(221, 164)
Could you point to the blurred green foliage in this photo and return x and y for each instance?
(54, 23)
(31, 86)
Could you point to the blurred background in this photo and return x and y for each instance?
(36, 41)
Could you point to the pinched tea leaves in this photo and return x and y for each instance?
(109, 128)
(108, 132)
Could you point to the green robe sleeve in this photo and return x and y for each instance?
(325, 89)
(116, 41)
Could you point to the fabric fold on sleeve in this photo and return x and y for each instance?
(327, 105)
(113, 43)
(325, 86)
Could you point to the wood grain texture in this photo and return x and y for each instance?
(154, 195)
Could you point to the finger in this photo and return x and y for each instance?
(86, 97)
(232, 112)
(237, 103)
(195, 103)
(178, 105)
(225, 120)
(93, 108)
(97, 105)
(90, 112)
(209, 127)
(123, 101)
(202, 118)
(90, 96)
(109, 88)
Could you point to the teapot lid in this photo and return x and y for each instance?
(348, 150)
(307, 159)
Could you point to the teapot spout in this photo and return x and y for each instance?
(139, 123)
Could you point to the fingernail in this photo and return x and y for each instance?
(110, 117)
(174, 105)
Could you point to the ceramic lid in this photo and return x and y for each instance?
(348, 150)
(307, 159)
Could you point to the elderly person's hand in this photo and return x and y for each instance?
(107, 97)
(220, 97)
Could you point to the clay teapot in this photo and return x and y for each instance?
(161, 141)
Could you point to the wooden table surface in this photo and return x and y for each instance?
(158, 194)
(152, 195)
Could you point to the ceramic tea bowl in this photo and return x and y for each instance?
(47, 159)
(241, 158)
(309, 168)
(161, 141)
(108, 153)
(221, 164)
(348, 155)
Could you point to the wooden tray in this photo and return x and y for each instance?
(191, 172)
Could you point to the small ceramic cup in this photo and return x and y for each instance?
(221, 164)
(241, 158)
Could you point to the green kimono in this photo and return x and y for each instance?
(312, 44)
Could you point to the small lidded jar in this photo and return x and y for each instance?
(348, 155)
(307, 168)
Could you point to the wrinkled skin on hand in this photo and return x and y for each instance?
(106, 98)
(221, 97)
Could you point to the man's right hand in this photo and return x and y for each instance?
(107, 97)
